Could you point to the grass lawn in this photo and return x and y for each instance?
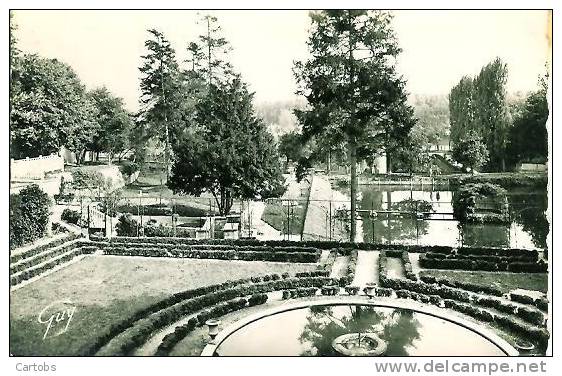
(275, 215)
(504, 281)
(106, 289)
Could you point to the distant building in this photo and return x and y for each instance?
(442, 145)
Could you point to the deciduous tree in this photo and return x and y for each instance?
(471, 151)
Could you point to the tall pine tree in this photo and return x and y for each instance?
(162, 88)
(355, 96)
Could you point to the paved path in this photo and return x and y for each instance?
(367, 270)
(339, 269)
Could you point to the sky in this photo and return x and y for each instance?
(439, 47)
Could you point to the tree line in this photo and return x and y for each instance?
(490, 132)
(199, 111)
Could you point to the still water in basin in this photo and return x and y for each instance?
(528, 227)
(310, 332)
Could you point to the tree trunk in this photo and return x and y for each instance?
(388, 163)
(352, 147)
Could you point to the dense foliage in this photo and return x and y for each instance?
(529, 136)
(470, 151)
(49, 108)
(29, 215)
(466, 197)
(479, 106)
(355, 97)
(230, 154)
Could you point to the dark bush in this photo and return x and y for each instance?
(127, 226)
(70, 216)
(29, 215)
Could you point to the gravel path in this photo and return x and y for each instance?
(367, 268)
(339, 268)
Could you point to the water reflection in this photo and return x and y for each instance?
(325, 323)
(310, 332)
(528, 228)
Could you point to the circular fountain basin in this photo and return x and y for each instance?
(395, 327)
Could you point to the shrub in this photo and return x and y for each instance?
(542, 304)
(70, 216)
(520, 298)
(29, 215)
(127, 226)
(257, 299)
(531, 315)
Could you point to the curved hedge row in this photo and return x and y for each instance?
(120, 327)
(180, 332)
(490, 290)
(541, 303)
(142, 329)
(535, 319)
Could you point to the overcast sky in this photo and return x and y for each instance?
(439, 47)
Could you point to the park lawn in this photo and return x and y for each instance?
(275, 215)
(502, 280)
(107, 289)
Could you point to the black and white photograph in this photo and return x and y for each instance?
(279, 183)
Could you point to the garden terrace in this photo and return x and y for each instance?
(123, 286)
(16, 255)
(521, 320)
(143, 324)
(51, 263)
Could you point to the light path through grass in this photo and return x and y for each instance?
(367, 270)
(339, 269)
(395, 267)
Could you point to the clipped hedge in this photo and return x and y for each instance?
(490, 290)
(35, 271)
(405, 256)
(299, 292)
(180, 332)
(41, 248)
(464, 303)
(279, 256)
(434, 261)
(137, 328)
(42, 257)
